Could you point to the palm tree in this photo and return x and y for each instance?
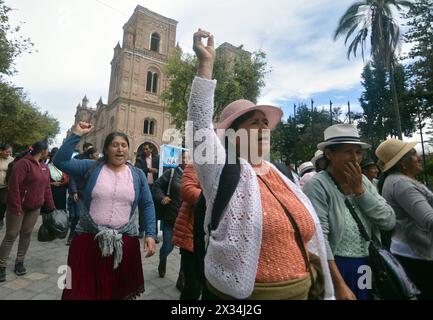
(375, 18)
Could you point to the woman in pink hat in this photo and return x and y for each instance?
(259, 248)
(412, 201)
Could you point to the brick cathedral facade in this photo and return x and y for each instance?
(137, 80)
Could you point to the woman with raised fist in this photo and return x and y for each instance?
(104, 256)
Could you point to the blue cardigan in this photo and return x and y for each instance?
(79, 168)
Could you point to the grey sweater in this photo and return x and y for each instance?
(413, 206)
(331, 209)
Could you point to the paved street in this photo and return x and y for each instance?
(44, 258)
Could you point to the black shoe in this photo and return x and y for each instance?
(2, 274)
(161, 268)
(180, 283)
(19, 269)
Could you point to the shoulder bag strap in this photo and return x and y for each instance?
(298, 236)
(352, 211)
(170, 181)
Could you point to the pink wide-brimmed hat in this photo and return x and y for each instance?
(239, 107)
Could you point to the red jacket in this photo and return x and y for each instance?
(29, 186)
(183, 228)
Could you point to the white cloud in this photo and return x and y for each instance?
(75, 41)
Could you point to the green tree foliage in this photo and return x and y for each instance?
(375, 18)
(180, 71)
(241, 77)
(11, 44)
(408, 105)
(297, 138)
(22, 123)
(374, 101)
(378, 118)
(420, 68)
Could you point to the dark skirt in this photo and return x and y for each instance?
(348, 268)
(93, 277)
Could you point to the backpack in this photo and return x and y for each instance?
(228, 182)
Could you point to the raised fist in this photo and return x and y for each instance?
(82, 128)
(205, 54)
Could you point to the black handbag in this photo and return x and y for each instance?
(390, 281)
(44, 234)
(57, 223)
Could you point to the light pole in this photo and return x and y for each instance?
(330, 110)
(312, 124)
(420, 124)
(348, 107)
(295, 136)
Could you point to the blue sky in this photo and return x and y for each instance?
(74, 41)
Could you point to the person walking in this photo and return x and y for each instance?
(306, 172)
(84, 154)
(92, 153)
(5, 159)
(412, 201)
(104, 256)
(59, 182)
(166, 192)
(29, 190)
(148, 161)
(183, 236)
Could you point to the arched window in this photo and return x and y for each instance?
(154, 42)
(155, 82)
(149, 81)
(152, 82)
(149, 127)
(152, 127)
(146, 127)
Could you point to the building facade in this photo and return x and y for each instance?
(137, 80)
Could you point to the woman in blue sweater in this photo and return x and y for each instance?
(104, 256)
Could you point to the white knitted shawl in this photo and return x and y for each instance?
(233, 250)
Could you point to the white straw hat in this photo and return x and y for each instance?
(304, 167)
(340, 134)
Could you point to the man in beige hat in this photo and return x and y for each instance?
(306, 172)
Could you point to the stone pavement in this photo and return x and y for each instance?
(44, 258)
